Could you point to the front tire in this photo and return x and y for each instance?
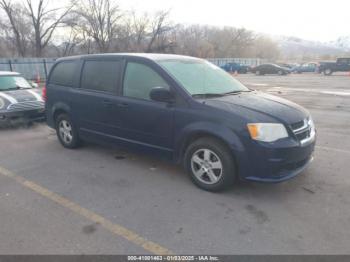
(66, 132)
(210, 164)
(327, 72)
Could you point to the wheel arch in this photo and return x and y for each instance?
(59, 108)
(223, 134)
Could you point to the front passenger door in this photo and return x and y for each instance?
(142, 120)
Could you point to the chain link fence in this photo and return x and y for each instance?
(242, 61)
(30, 68)
(34, 68)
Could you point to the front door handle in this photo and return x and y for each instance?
(122, 105)
(107, 103)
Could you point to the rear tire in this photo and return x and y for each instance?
(210, 164)
(258, 73)
(66, 132)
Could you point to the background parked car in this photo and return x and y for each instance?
(290, 66)
(341, 65)
(19, 100)
(235, 67)
(306, 68)
(270, 69)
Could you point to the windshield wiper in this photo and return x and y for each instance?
(235, 92)
(16, 88)
(11, 88)
(205, 95)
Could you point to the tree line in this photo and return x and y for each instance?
(34, 28)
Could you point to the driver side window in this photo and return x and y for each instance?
(139, 80)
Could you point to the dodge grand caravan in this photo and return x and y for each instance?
(182, 108)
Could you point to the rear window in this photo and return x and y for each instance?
(101, 75)
(63, 74)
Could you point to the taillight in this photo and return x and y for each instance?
(44, 94)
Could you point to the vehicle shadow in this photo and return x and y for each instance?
(240, 189)
(19, 125)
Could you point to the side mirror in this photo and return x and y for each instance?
(161, 94)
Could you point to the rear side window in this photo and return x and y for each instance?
(342, 61)
(63, 74)
(139, 79)
(101, 75)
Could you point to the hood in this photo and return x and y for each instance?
(275, 107)
(21, 95)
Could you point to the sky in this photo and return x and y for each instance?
(317, 20)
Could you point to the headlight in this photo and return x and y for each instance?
(2, 103)
(267, 132)
(311, 122)
(312, 126)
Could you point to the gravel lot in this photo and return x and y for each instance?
(103, 195)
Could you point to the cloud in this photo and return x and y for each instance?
(312, 19)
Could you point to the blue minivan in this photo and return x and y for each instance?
(181, 108)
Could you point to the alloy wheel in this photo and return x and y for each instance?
(65, 131)
(206, 166)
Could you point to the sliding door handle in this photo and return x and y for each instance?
(122, 105)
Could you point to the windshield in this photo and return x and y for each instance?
(200, 77)
(13, 82)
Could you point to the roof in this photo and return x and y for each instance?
(8, 73)
(151, 56)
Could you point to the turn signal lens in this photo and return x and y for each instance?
(253, 131)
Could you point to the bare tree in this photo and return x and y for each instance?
(159, 27)
(45, 22)
(147, 32)
(18, 25)
(136, 29)
(69, 43)
(98, 19)
(100, 26)
(193, 40)
(264, 47)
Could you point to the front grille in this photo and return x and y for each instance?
(303, 135)
(297, 125)
(303, 130)
(25, 106)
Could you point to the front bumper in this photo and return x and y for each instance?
(11, 118)
(284, 175)
(277, 163)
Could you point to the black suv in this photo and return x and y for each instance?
(341, 65)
